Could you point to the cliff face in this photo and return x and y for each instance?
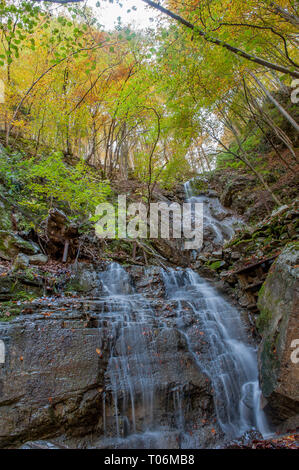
(57, 379)
(279, 324)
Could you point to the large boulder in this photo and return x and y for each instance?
(84, 279)
(11, 244)
(279, 325)
(52, 377)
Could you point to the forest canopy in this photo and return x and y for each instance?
(159, 104)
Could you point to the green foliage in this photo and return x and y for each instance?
(174, 172)
(75, 186)
(215, 265)
(226, 160)
(38, 184)
(13, 170)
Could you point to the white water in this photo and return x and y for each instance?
(130, 375)
(219, 224)
(135, 378)
(230, 361)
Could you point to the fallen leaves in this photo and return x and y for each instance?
(99, 352)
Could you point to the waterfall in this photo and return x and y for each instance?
(219, 223)
(230, 361)
(147, 401)
(130, 374)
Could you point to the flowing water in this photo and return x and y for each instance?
(145, 387)
(230, 361)
(140, 345)
(130, 375)
(219, 224)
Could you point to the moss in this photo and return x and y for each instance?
(263, 320)
(11, 244)
(73, 286)
(199, 185)
(5, 218)
(215, 265)
(262, 290)
(9, 310)
(270, 365)
(249, 240)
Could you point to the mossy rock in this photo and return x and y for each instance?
(215, 265)
(278, 324)
(20, 286)
(9, 310)
(11, 244)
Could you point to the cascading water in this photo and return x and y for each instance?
(156, 363)
(219, 224)
(130, 375)
(230, 361)
(136, 382)
(141, 343)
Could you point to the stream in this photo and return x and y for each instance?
(150, 399)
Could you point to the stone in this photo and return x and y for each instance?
(217, 254)
(11, 244)
(38, 259)
(46, 445)
(212, 193)
(84, 278)
(21, 262)
(278, 323)
(50, 379)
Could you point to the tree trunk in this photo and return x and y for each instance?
(273, 100)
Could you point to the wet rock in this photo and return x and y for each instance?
(50, 380)
(46, 445)
(278, 322)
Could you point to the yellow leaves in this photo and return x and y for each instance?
(20, 124)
